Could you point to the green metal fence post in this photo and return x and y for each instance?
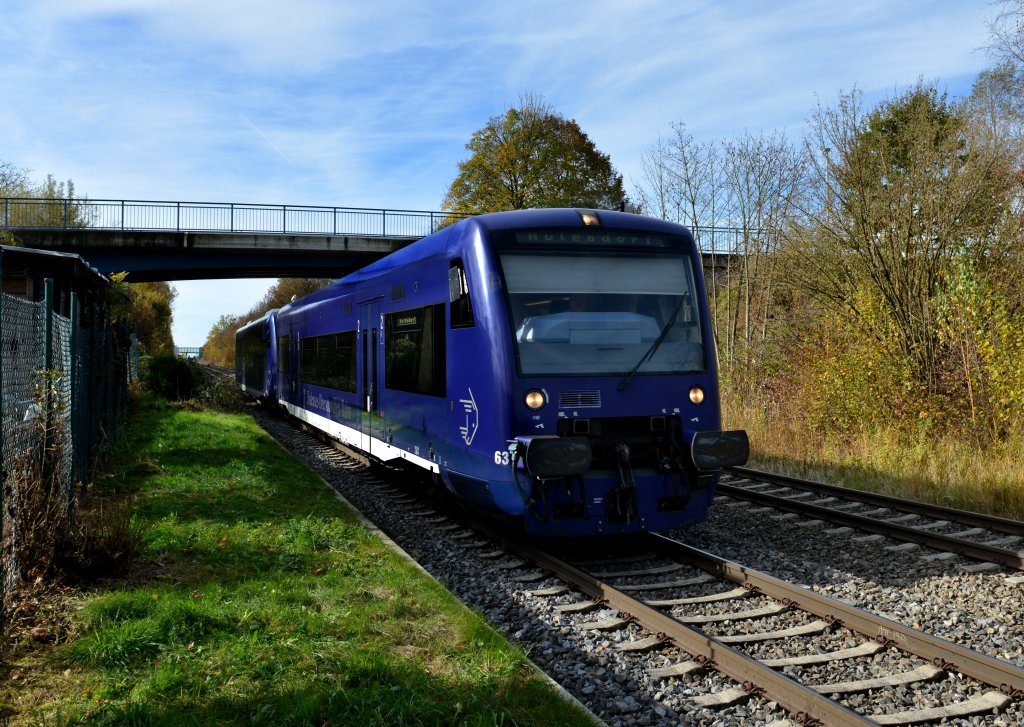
(90, 387)
(76, 438)
(47, 413)
(48, 325)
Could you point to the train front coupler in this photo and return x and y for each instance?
(548, 457)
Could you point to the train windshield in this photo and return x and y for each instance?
(604, 315)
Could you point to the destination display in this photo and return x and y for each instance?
(609, 238)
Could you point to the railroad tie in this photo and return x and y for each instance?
(920, 674)
(512, 564)
(656, 570)
(783, 517)
(492, 554)
(869, 538)
(549, 592)
(866, 649)
(932, 525)
(662, 585)
(638, 645)
(966, 533)
(1001, 542)
(605, 624)
(735, 615)
(740, 592)
(902, 518)
(530, 576)
(679, 669)
(902, 547)
(987, 702)
(814, 627)
(724, 698)
(577, 607)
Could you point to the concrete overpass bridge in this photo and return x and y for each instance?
(154, 240)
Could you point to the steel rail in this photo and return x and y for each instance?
(1009, 678)
(969, 548)
(974, 519)
(805, 703)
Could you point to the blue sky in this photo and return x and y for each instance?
(371, 104)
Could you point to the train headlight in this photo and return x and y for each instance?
(696, 395)
(535, 399)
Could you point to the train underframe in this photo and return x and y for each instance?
(620, 475)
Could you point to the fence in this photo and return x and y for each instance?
(140, 215)
(64, 388)
(105, 214)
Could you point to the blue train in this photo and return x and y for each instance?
(552, 366)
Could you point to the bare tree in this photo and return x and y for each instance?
(13, 181)
(765, 177)
(750, 185)
(1007, 32)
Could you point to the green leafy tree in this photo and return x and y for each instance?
(529, 156)
(149, 308)
(220, 342)
(904, 190)
(50, 204)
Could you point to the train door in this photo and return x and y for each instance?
(287, 381)
(292, 358)
(372, 427)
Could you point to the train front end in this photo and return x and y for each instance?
(615, 417)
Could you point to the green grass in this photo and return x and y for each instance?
(268, 603)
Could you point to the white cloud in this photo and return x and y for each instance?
(325, 103)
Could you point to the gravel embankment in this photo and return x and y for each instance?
(979, 610)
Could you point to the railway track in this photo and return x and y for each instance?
(667, 633)
(985, 538)
(713, 632)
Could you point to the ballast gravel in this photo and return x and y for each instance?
(983, 611)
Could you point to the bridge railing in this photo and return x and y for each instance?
(156, 216)
(234, 218)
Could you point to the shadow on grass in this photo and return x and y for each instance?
(359, 695)
(270, 606)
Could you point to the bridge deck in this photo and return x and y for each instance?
(198, 240)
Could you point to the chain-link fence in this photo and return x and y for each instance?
(64, 394)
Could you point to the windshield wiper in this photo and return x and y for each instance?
(654, 346)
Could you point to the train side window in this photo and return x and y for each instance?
(282, 354)
(458, 295)
(414, 351)
(343, 370)
(330, 361)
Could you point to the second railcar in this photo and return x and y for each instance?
(555, 366)
(256, 357)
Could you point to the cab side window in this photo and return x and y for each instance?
(458, 295)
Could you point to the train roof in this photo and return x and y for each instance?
(257, 321)
(437, 243)
(570, 217)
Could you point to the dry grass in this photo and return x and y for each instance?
(944, 470)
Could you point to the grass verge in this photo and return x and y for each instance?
(945, 471)
(262, 600)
